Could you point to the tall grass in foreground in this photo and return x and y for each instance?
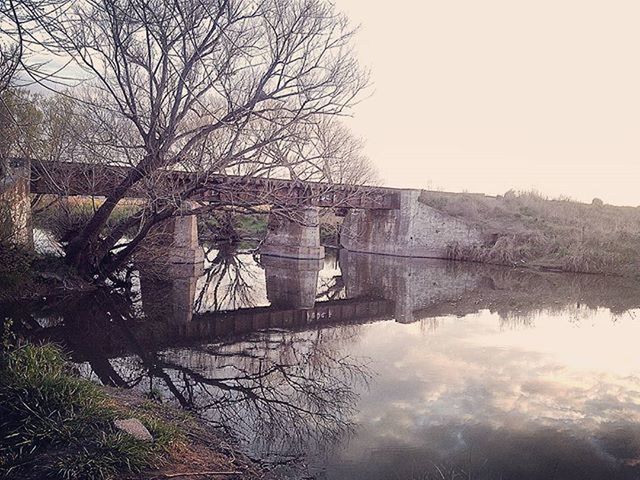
(529, 229)
(56, 425)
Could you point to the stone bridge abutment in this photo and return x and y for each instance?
(412, 230)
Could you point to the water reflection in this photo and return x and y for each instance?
(379, 367)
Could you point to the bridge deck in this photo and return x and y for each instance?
(82, 179)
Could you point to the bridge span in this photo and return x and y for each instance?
(84, 179)
(377, 219)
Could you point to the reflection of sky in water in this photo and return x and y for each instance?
(238, 281)
(478, 397)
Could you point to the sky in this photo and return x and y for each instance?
(492, 95)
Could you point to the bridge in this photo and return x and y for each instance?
(83, 179)
(377, 219)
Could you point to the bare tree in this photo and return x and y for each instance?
(21, 23)
(200, 85)
(329, 153)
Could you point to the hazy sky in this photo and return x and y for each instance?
(497, 94)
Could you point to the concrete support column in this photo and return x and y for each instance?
(170, 263)
(295, 235)
(291, 283)
(15, 203)
(172, 248)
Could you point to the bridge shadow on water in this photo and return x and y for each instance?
(265, 346)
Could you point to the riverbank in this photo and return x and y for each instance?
(530, 230)
(55, 424)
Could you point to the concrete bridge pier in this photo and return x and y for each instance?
(170, 263)
(15, 204)
(291, 283)
(293, 234)
(172, 248)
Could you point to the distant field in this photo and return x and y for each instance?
(530, 229)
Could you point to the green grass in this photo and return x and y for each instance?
(54, 424)
(225, 226)
(530, 229)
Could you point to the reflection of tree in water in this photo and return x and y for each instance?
(331, 288)
(228, 281)
(279, 391)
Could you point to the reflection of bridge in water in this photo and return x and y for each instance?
(372, 288)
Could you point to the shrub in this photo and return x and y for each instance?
(66, 217)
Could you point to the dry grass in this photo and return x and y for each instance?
(529, 229)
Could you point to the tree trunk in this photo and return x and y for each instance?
(82, 251)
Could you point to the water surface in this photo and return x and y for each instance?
(373, 367)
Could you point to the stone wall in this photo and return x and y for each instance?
(414, 230)
(15, 204)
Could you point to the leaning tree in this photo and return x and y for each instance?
(205, 86)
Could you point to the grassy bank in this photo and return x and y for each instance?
(529, 229)
(238, 227)
(54, 424)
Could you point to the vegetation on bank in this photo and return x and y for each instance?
(54, 424)
(531, 230)
(65, 217)
(238, 227)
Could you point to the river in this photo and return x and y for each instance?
(373, 367)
